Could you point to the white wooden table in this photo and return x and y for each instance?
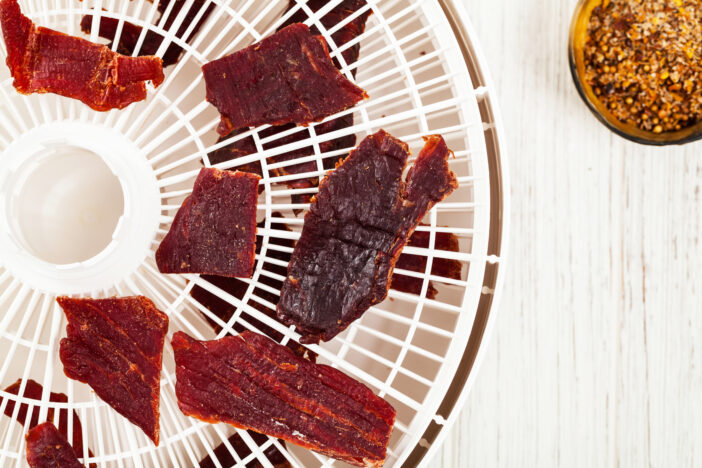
(596, 359)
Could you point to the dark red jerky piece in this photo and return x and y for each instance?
(48, 448)
(252, 382)
(246, 146)
(225, 457)
(237, 288)
(152, 40)
(33, 390)
(214, 231)
(115, 345)
(336, 15)
(285, 78)
(439, 266)
(355, 231)
(45, 61)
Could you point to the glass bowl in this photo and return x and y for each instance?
(576, 43)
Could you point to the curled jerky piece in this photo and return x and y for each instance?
(244, 147)
(225, 457)
(443, 267)
(252, 382)
(48, 448)
(42, 60)
(33, 390)
(152, 40)
(214, 231)
(355, 231)
(115, 345)
(285, 78)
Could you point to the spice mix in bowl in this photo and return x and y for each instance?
(638, 66)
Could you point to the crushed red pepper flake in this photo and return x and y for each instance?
(355, 231)
(153, 40)
(223, 454)
(42, 60)
(214, 231)
(33, 391)
(252, 382)
(287, 77)
(48, 448)
(643, 61)
(443, 267)
(115, 345)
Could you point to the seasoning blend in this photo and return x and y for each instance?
(638, 65)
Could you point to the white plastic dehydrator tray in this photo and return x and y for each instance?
(86, 197)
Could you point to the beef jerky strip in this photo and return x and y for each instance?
(439, 266)
(42, 60)
(246, 146)
(152, 40)
(225, 457)
(355, 231)
(336, 15)
(115, 345)
(252, 382)
(48, 448)
(237, 288)
(33, 391)
(285, 78)
(214, 231)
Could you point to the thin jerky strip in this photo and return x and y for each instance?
(115, 345)
(285, 78)
(251, 382)
(42, 60)
(225, 457)
(246, 146)
(322, 427)
(48, 448)
(443, 267)
(214, 231)
(355, 231)
(33, 390)
(152, 40)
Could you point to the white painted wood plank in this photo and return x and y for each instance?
(597, 355)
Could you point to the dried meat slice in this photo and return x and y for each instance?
(285, 78)
(130, 34)
(252, 382)
(42, 60)
(343, 35)
(214, 231)
(443, 267)
(355, 230)
(115, 345)
(244, 147)
(33, 391)
(225, 457)
(48, 448)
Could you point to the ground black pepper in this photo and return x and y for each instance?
(643, 60)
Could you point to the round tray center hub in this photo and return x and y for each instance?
(79, 208)
(66, 204)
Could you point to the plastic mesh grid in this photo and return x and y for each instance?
(406, 349)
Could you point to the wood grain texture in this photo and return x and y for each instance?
(596, 359)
